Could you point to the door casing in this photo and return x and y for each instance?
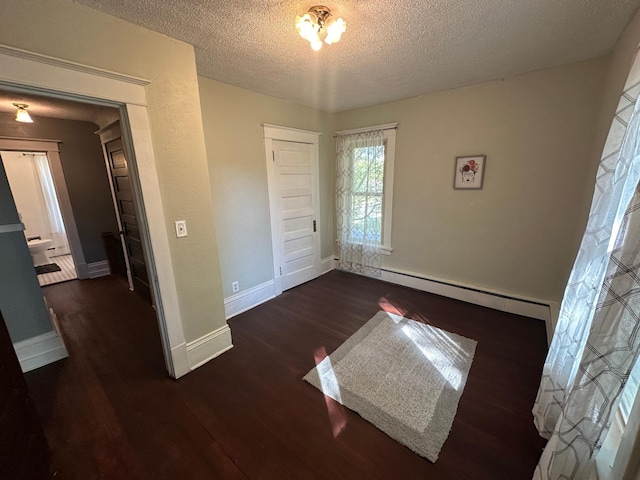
(288, 134)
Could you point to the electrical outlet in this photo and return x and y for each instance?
(235, 286)
(181, 228)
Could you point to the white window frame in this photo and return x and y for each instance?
(389, 130)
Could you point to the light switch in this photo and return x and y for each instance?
(181, 228)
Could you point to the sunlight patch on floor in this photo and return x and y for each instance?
(330, 388)
(440, 350)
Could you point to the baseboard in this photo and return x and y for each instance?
(39, 351)
(83, 271)
(54, 322)
(327, 265)
(246, 300)
(98, 269)
(180, 360)
(528, 307)
(252, 297)
(554, 308)
(209, 346)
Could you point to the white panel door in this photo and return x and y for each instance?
(295, 172)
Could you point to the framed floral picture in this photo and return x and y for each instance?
(469, 174)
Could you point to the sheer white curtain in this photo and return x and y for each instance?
(359, 201)
(596, 342)
(58, 232)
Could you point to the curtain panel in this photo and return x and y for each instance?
(360, 159)
(596, 341)
(58, 232)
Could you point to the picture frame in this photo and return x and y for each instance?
(469, 172)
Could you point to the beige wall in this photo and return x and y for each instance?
(233, 119)
(63, 29)
(518, 234)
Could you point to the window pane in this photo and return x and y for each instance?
(368, 186)
(368, 169)
(366, 218)
(629, 392)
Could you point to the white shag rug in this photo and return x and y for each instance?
(403, 376)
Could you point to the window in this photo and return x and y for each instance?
(367, 190)
(365, 185)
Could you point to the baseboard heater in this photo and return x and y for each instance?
(464, 287)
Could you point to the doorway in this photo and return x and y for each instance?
(34, 193)
(22, 71)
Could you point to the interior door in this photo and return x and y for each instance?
(24, 454)
(129, 232)
(295, 178)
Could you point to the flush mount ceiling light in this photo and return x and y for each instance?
(317, 25)
(21, 114)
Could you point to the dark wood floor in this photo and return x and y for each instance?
(110, 410)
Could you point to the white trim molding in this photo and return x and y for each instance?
(98, 269)
(328, 264)
(180, 358)
(12, 227)
(247, 299)
(527, 307)
(290, 134)
(554, 309)
(386, 126)
(45, 72)
(39, 351)
(209, 346)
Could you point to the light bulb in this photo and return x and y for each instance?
(316, 44)
(307, 26)
(22, 115)
(335, 31)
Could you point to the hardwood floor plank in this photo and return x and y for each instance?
(111, 411)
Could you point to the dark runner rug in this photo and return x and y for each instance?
(48, 268)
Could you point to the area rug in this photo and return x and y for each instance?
(403, 376)
(48, 268)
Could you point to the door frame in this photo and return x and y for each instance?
(51, 150)
(289, 134)
(107, 134)
(24, 71)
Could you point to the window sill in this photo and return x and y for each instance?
(606, 457)
(384, 249)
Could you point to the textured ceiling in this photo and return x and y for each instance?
(391, 49)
